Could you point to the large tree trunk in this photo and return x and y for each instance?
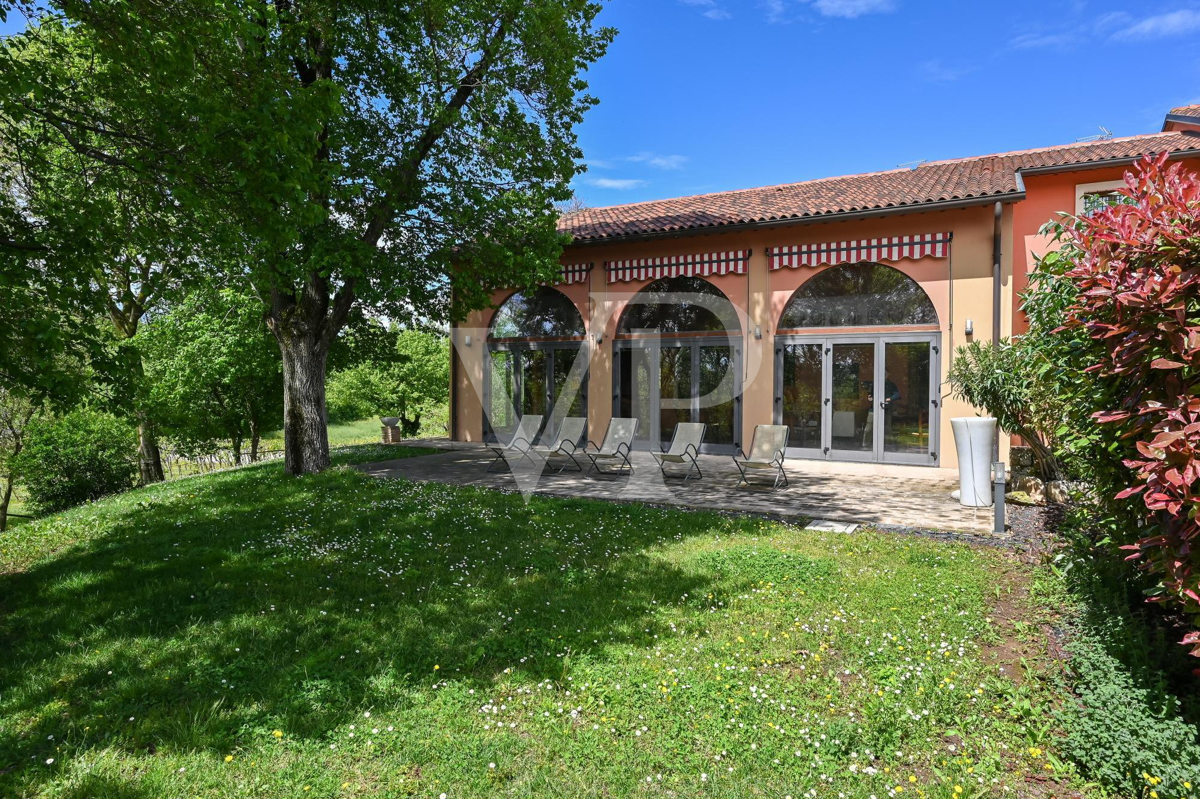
(149, 458)
(4, 501)
(305, 436)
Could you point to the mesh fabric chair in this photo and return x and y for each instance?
(566, 444)
(685, 446)
(616, 447)
(520, 445)
(766, 453)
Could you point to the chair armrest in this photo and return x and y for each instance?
(570, 444)
(594, 445)
(740, 454)
(779, 455)
(692, 449)
(628, 448)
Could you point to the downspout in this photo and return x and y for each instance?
(453, 426)
(996, 296)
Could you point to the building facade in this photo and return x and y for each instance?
(833, 306)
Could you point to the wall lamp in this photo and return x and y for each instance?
(467, 340)
(758, 331)
(599, 338)
(970, 328)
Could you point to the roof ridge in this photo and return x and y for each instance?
(811, 181)
(1049, 147)
(726, 192)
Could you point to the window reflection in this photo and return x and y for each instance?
(859, 295)
(657, 308)
(543, 313)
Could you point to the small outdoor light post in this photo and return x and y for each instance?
(998, 484)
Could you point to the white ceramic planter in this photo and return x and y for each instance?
(974, 438)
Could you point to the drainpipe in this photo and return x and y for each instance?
(998, 477)
(996, 295)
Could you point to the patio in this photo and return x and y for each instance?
(840, 492)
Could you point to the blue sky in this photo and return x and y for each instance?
(707, 95)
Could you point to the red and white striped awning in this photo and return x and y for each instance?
(703, 264)
(896, 248)
(575, 273)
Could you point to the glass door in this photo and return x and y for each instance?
(908, 403)
(859, 398)
(851, 389)
(532, 380)
(663, 383)
(800, 400)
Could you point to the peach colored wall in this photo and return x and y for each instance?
(760, 295)
(1046, 197)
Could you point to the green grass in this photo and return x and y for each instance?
(246, 634)
(364, 431)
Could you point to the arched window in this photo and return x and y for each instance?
(543, 313)
(858, 295)
(679, 305)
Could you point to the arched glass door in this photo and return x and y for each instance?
(847, 391)
(537, 363)
(678, 359)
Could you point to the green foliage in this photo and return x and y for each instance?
(80, 456)
(1010, 381)
(212, 369)
(414, 380)
(1136, 710)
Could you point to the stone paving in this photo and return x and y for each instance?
(859, 493)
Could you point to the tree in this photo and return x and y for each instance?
(16, 412)
(414, 378)
(90, 209)
(362, 151)
(213, 370)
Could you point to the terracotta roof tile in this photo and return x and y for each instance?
(979, 177)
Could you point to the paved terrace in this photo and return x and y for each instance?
(906, 496)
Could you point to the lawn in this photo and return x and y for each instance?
(245, 634)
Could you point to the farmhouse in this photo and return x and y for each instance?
(832, 306)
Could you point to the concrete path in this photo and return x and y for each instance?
(844, 492)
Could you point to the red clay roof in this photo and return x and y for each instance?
(965, 179)
(1185, 111)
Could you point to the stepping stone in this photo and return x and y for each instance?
(825, 525)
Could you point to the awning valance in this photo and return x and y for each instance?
(703, 264)
(895, 248)
(575, 273)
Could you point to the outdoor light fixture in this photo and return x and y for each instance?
(599, 338)
(970, 330)
(758, 331)
(467, 340)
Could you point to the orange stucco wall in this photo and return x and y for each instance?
(1047, 197)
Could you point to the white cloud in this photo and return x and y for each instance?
(659, 161)
(619, 184)
(1174, 23)
(711, 8)
(849, 9)
(1030, 41)
(937, 72)
(776, 11)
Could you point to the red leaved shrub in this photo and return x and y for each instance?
(1137, 271)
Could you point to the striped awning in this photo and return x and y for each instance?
(703, 264)
(896, 248)
(575, 273)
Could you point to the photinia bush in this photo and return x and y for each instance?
(1136, 269)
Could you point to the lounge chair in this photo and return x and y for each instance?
(572, 430)
(617, 445)
(767, 449)
(685, 446)
(521, 443)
